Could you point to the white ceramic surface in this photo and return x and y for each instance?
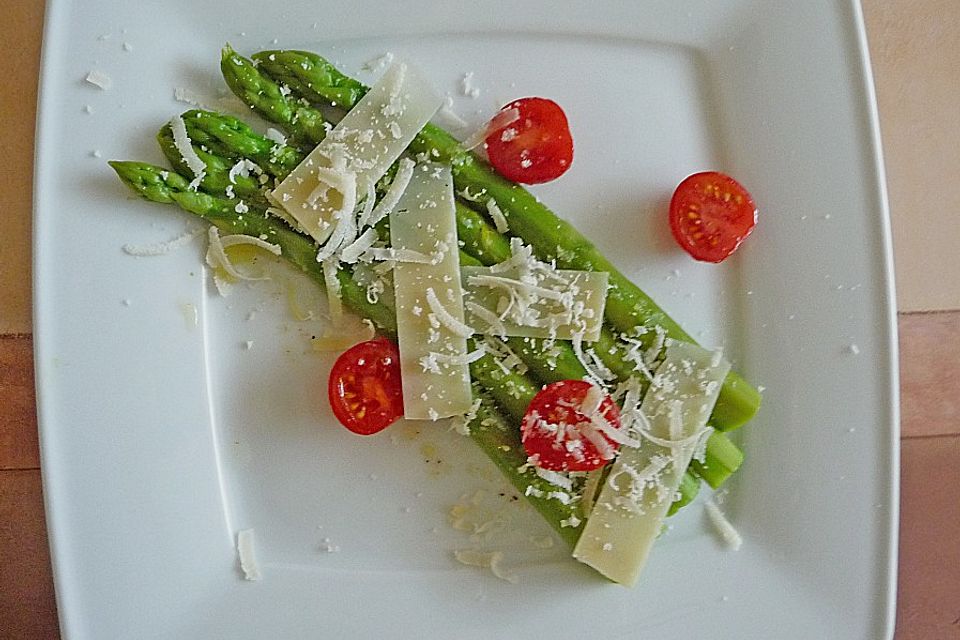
(162, 437)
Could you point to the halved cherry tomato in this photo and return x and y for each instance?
(535, 148)
(364, 387)
(557, 435)
(710, 215)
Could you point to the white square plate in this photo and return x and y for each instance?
(163, 434)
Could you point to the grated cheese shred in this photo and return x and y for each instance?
(445, 317)
(730, 536)
(182, 142)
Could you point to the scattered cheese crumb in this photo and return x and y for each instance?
(248, 345)
(87, 108)
(99, 79)
(854, 349)
(127, 47)
(96, 153)
(187, 96)
(466, 86)
(162, 248)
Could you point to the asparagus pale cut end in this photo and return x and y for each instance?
(629, 512)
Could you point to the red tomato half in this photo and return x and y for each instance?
(559, 437)
(710, 215)
(535, 148)
(364, 387)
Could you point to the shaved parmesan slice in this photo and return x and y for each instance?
(217, 255)
(363, 144)
(570, 303)
(629, 512)
(245, 552)
(429, 299)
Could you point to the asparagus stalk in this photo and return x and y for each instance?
(311, 76)
(483, 245)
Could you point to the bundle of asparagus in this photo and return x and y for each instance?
(278, 86)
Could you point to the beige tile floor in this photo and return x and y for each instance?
(916, 52)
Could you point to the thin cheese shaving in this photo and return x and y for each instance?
(494, 325)
(496, 214)
(429, 361)
(237, 239)
(392, 196)
(247, 556)
(369, 199)
(332, 284)
(182, 142)
(502, 119)
(389, 254)
(723, 527)
(555, 478)
(343, 234)
(445, 317)
(217, 256)
(485, 560)
(352, 252)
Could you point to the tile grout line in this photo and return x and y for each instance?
(929, 436)
(929, 312)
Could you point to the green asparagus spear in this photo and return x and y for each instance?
(309, 75)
